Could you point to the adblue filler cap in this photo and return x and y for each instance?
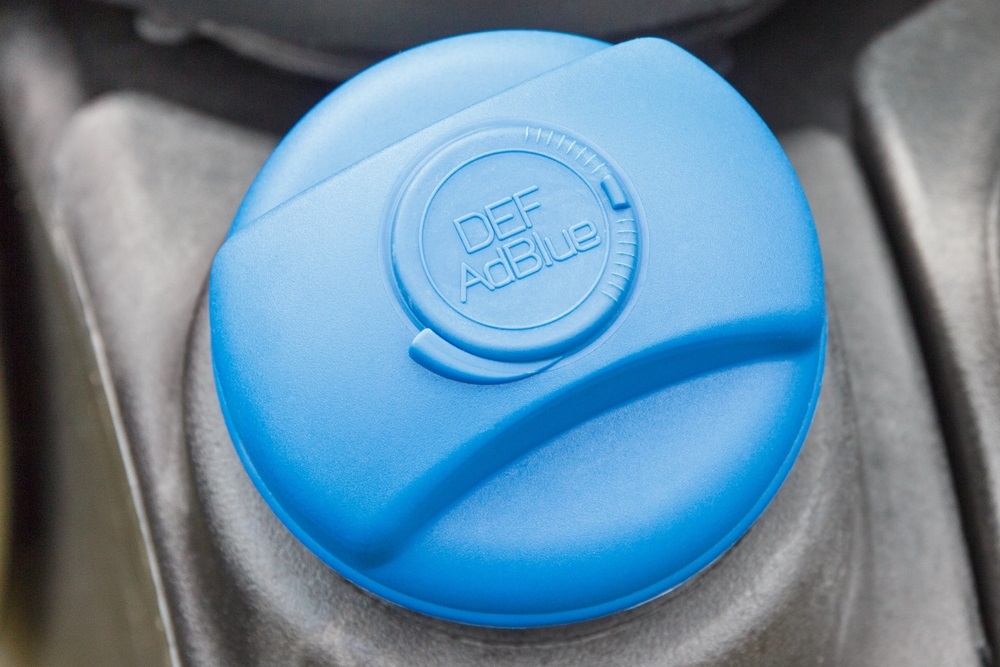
(519, 328)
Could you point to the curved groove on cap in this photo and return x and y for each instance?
(427, 497)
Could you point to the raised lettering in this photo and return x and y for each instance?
(570, 248)
(520, 257)
(482, 232)
(584, 235)
(541, 248)
(470, 278)
(504, 218)
(523, 207)
(502, 262)
(517, 261)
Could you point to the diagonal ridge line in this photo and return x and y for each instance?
(668, 364)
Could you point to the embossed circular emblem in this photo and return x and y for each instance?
(516, 243)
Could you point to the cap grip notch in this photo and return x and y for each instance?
(439, 356)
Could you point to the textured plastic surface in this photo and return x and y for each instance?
(408, 371)
(292, 31)
(930, 117)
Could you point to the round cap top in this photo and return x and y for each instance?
(523, 276)
(521, 328)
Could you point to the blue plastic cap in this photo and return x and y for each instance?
(520, 329)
